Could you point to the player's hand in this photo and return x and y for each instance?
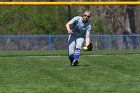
(70, 31)
(88, 48)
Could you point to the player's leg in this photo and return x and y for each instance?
(71, 48)
(79, 43)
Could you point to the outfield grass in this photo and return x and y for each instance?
(95, 74)
(6, 53)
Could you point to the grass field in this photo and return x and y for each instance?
(95, 74)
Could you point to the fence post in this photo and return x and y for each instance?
(69, 12)
(107, 42)
(49, 42)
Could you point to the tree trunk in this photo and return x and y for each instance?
(137, 19)
(130, 26)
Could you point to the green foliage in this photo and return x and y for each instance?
(32, 20)
(101, 28)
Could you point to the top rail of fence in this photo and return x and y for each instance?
(68, 3)
(43, 36)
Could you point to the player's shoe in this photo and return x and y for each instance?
(75, 63)
(71, 63)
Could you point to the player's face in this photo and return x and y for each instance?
(86, 16)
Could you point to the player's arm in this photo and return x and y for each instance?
(69, 27)
(88, 46)
(87, 40)
(70, 23)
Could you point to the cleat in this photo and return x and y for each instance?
(75, 63)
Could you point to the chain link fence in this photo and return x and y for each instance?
(58, 44)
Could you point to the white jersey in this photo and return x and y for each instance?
(80, 29)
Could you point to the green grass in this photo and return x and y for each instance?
(95, 74)
(6, 53)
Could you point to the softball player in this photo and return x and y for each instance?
(79, 32)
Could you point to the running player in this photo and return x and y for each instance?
(78, 29)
